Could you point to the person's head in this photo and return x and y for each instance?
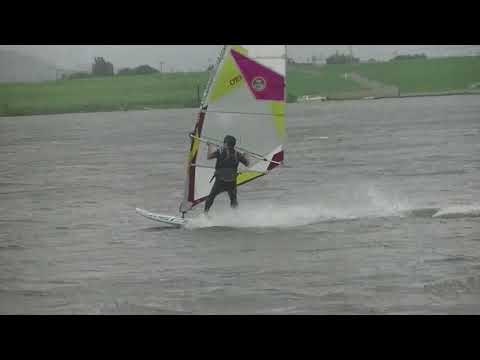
(230, 141)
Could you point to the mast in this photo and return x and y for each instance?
(212, 76)
(203, 108)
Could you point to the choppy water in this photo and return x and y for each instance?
(381, 217)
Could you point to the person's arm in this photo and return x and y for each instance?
(243, 159)
(212, 152)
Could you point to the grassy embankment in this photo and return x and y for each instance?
(178, 90)
(102, 94)
(417, 76)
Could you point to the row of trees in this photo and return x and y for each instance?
(409, 57)
(333, 59)
(101, 67)
(342, 59)
(339, 58)
(139, 70)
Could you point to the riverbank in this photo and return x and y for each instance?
(316, 99)
(410, 78)
(119, 93)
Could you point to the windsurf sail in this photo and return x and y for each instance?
(245, 97)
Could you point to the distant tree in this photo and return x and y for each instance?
(139, 70)
(79, 75)
(101, 67)
(210, 68)
(338, 58)
(372, 60)
(290, 60)
(125, 71)
(409, 57)
(145, 69)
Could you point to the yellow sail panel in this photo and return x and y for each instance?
(229, 77)
(248, 176)
(278, 112)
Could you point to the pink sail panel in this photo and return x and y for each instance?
(278, 157)
(264, 83)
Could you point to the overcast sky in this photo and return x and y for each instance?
(195, 57)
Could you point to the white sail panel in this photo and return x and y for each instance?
(272, 56)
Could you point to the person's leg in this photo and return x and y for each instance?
(216, 189)
(232, 194)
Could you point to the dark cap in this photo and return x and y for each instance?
(230, 140)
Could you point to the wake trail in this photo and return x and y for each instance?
(356, 203)
(280, 215)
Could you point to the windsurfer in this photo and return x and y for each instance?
(226, 171)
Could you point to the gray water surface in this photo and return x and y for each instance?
(380, 218)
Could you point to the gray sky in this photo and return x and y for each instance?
(196, 57)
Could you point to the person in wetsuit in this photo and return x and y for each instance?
(226, 171)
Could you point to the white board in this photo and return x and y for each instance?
(166, 219)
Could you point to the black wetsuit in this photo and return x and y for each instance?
(226, 172)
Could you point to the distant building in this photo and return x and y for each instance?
(102, 68)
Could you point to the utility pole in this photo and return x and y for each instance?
(57, 72)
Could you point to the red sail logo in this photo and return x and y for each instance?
(259, 83)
